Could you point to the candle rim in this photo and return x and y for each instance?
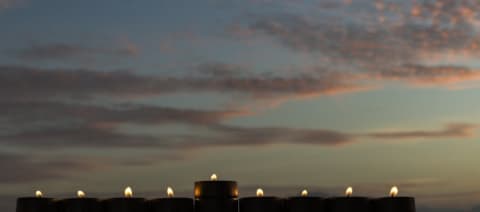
(348, 197)
(169, 198)
(307, 197)
(395, 197)
(262, 197)
(124, 198)
(37, 198)
(216, 181)
(80, 199)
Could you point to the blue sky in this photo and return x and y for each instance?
(287, 94)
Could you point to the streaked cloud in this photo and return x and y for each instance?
(457, 130)
(19, 168)
(63, 51)
(26, 83)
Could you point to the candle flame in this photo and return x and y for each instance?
(170, 192)
(214, 177)
(128, 192)
(259, 192)
(80, 194)
(349, 191)
(394, 191)
(304, 193)
(38, 194)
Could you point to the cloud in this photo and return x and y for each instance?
(21, 168)
(62, 51)
(8, 3)
(20, 114)
(400, 48)
(430, 75)
(31, 83)
(458, 130)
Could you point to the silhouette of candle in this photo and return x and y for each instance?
(79, 204)
(305, 203)
(125, 204)
(171, 203)
(261, 203)
(393, 203)
(216, 195)
(348, 203)
(35, 204)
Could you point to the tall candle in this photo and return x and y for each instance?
(394, 203)
(261, 203)
(216, 195)
(79, 204)
(348, 203)
(35, 204)
(124, 204)
(305, 203)
(171, 203)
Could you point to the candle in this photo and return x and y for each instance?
(216, 196)
(171, 203)
(261, 203)
(348, 203)
(393, 203)
(35, 204)
(215, 188)
(124, 204)
(305, 203)
(79, 204)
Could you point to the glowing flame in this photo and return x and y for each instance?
(349, 191)
(128, 192)
(304, 193)
(394, 191)
(170, 192)
(38, 194)
(259, 192)
(80, 194)
(214, 177)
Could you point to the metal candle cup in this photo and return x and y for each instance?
(124, 204)
(216, 196)
(394, 203)
(305, 204)
(171, 203)
(262, 203)
(35, 204)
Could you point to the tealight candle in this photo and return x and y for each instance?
(216, 195)
(261, 203)
(216, 188)
(125, 204)
(305, 203)
(79, 204)
(171, 203)
(393, 203)
(35, 204)
(348, 203)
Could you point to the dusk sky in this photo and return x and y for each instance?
(98, 95)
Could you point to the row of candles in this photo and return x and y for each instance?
(219, 196)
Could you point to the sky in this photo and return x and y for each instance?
(279, 94)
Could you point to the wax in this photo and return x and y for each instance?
(35, 204)
(79, 205)
(305, 204)
(171, 204)
(348, 204)
(394, 204)
(124, 204)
